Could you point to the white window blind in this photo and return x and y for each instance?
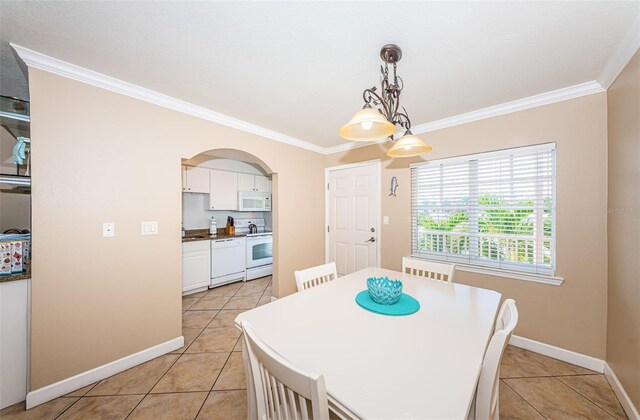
(493, 209)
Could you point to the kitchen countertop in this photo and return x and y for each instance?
(203, 235)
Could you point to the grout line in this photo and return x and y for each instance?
(589, 399)
(154, 385)
(523, 399)
(66, 409)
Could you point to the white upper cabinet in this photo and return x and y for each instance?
(262, 184)
(245, 182)
(259, 183)
(195, 180)
(224, 190)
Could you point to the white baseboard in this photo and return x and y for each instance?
(568, 356)
(273, 298)
(624, 399)
(65, 386)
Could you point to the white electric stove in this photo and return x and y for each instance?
(259, 247)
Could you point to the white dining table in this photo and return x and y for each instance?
(420, 366)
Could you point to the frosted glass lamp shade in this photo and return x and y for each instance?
(408, 146)
(367, 125)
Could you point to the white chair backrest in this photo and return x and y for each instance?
(283, 390)
(315, 276)
(487, 393)
(432, 270)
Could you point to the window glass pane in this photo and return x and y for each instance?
(261, 251)
(493, 209)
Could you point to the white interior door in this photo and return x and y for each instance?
(353, 211)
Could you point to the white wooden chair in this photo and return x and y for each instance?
(315, 276)
(429, 269)
(486, 403)
(283, 390)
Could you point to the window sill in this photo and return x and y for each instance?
(536, 278)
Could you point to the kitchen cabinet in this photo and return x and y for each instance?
(196, 265)
(13, 341)
(195, 180)
(258, 183)
(224, 190)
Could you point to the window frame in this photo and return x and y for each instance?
(535, 272)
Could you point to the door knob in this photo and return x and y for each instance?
(371, 239)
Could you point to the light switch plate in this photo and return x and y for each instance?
(385, 220)
(108, 230)
(149, 228)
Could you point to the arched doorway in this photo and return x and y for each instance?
(196, 210)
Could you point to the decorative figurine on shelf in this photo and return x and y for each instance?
(394, 186)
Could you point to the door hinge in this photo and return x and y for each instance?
(327, 185)
(327, 229)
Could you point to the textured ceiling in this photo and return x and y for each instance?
(300, 67)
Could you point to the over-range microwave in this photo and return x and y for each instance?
(254, 201)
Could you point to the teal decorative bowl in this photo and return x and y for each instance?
(384, 291)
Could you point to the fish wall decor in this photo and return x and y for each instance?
(394, 186)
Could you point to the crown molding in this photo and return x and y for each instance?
(40, 61)
(534, 101)
(628, 46)
(546, 98)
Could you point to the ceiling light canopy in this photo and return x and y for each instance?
(381, 114)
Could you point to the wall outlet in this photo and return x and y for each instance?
(149, 228)
(385, 220)
(108, 230)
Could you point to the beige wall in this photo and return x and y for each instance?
(623, 321)
(573, 315)
(103, 157)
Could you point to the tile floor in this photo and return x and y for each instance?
(205, 378)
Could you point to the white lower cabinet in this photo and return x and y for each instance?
(13, 341)
(196, 265)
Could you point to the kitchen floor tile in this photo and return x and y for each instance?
(225, 318)
(556, 367)
(137, 380)
(192, 372)
(189, 335)
(232, 376)
(215, 340)
(47, 411)
(243, 302)
(209, 303)
(251, 289)
(225, 405)
(513, 406)
(264, 300)
(516, 364)
(183, 406)
(111, 407)
(555, 400)
(197, 319)
(238, 346)
(226, 290)
(80, 392)
(188, 303)
(262, 280)
(596, 388)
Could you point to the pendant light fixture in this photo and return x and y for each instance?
(381, 115)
